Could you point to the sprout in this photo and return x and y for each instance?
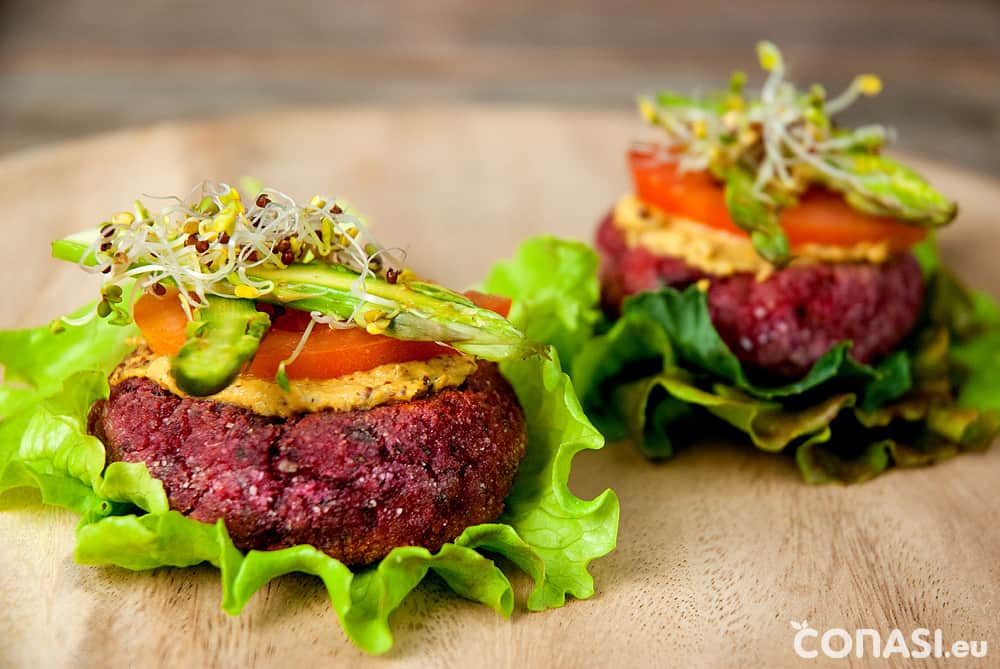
(869, 84)
(212, 239)
(785, 136)
(769, 57)
(768, 151)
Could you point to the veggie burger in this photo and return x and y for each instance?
(267, 372)
(331, 431)
(780, 274)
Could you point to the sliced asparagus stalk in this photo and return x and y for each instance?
(405, 310)
(223, 337)
(413, 310)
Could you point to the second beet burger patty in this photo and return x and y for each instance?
(780, 326)
(354, 484)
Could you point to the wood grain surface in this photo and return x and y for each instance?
(71, 67)
(719, 549)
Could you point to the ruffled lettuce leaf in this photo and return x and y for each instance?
(561, 528)
(833, 439)
(362, 601)
(974, 318)
(671, 332)
(653, 409)
(684, 317)
(555, 290)
(549, 533)
(979, 358)
(50, 381)
(633, 347)
(39, 360)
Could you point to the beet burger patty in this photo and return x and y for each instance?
(779, 324)
(354, 484)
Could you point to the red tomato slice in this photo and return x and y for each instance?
(162, 322)
(821, 217)
(327, 354)
(330, 353)
(495, 303)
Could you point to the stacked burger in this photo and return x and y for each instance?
(778, 272)
(263, 387)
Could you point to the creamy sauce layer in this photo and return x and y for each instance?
(396, 382)
(719, 252)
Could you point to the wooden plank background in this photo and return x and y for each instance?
(72, 67)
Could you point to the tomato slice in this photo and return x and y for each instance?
(161, 321)
(821, 217)
(327, 354)
(495, 303)
(330, 353)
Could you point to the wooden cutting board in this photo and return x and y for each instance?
(719, 549)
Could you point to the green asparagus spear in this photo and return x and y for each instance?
(224, 335)
(405, 310)
(412, 310)
(757, 217)
(881, 186)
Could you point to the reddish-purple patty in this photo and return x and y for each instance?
(353, 484)
(782, 325)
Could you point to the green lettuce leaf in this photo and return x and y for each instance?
(831, 437)
(562, 528)
(684, 317)
(52, 380)
(632, 346)
(555, 290)
(770, 426)
(362, 601)
(973, 319)
(979, 357)
(926, 253)
(26, 354)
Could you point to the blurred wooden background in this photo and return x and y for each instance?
(73, 67)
